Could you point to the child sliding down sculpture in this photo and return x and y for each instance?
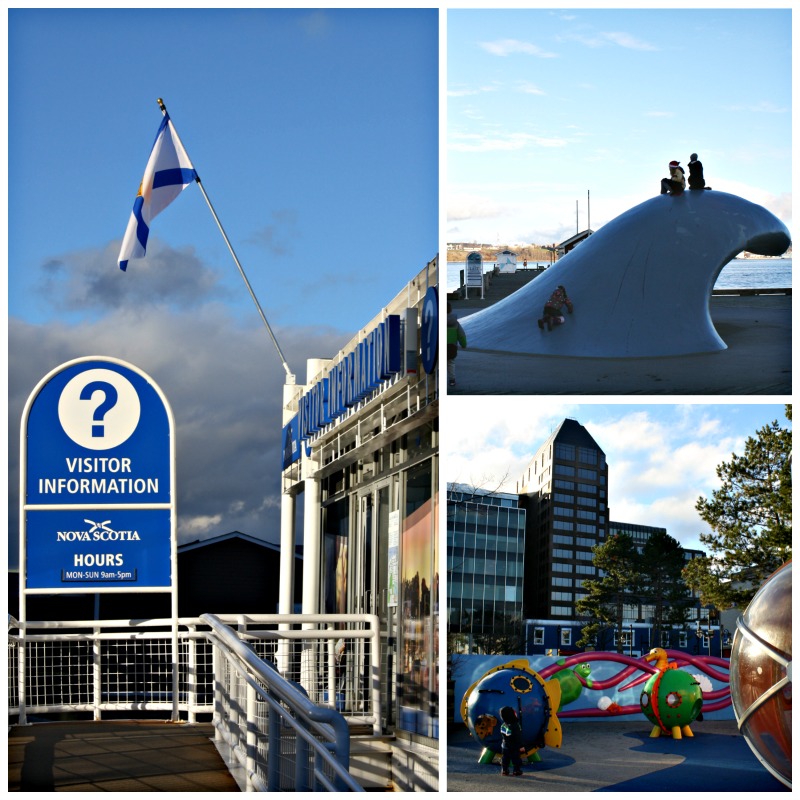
(552, 309)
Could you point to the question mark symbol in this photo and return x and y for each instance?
(110, 397)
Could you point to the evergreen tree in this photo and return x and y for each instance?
(750, 517)
(618, 583)
(662, 584)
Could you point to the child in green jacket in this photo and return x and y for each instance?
(455, 337)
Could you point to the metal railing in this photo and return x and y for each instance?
(331, 661)
(279, 737)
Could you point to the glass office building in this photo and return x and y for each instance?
(485, 562)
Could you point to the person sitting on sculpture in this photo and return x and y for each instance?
(552, 309)
(676, 182)
(696, 179)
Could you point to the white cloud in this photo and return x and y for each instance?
(465, 206)
(627, 41)
(529, 88)
(504, 141)
(603, 39)
(506, 47)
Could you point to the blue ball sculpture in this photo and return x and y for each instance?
(513, 684)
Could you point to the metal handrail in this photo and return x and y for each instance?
(263, 705)
(326, 722)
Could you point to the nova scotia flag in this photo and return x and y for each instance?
(167, 174)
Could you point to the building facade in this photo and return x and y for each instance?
(564, 490)
(509, 554)
(361, 464)
(485, 565)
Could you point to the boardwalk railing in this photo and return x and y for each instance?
(282, 740)
(128, 665)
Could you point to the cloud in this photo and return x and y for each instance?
(465, 207)
(604, 39)
(764, 107)
(280, 235)
(90, 282)
(627, 41)
(510, 141)
(529, 88)
(466, 91)
(222, 379)
(507, 47)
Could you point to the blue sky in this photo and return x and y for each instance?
(661, 457)
(545, 106)
(315, 133)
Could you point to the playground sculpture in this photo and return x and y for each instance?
(761, 674)
(671, 698)
(536, 701)
(641, 285)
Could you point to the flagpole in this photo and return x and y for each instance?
(290, 376)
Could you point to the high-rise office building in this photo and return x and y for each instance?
(564, 490)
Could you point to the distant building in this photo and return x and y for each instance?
(485, 562)
(573, 241)
(564, 491)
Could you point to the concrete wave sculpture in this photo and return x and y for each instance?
(641, 286)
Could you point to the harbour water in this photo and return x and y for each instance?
(741, 273)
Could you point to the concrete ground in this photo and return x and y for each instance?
(620, 757)
(757, 330)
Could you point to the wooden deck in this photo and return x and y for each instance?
(115, 757)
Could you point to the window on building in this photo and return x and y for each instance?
(585, 569)
(584, 556)
(625, 636)
(566, 637)
(560, 611)
(538, 635)
(564, 511)
(591, 474)
(586, 514)
(587, 456)
(590, 502)
(558, 553)
(559, 538)
(584, 527)
(559, 525)
(665, 638)
(559, 484)
(562, 581)
(563, 498)
(565, 452)
(683, 642)
(588, 488)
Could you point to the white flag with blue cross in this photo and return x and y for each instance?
(169, 171)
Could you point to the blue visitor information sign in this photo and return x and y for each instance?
(97, 481)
